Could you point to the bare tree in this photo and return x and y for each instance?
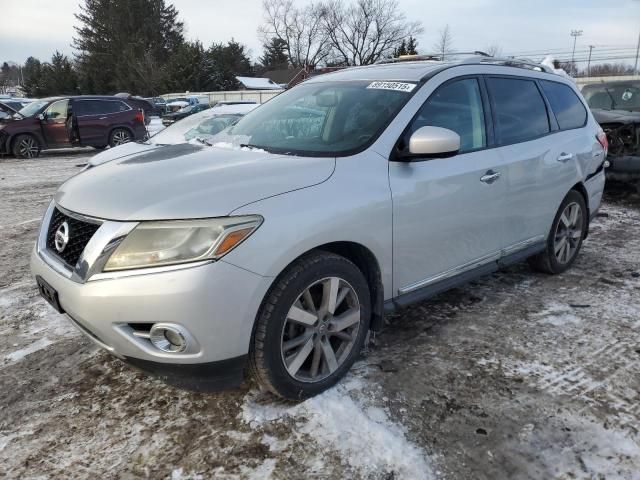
(493, 50)
(363, 32)
(301, 29)
(444, 45)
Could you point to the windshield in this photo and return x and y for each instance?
(203, 125)
(327, 119)
(33, 108)
(622, 96)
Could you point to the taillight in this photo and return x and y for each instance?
(602, 139)
(139, 116)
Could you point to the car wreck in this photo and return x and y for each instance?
(616, 107)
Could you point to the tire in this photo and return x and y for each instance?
(119, 136)
(308, 368)
(565, 237)
(26, 146)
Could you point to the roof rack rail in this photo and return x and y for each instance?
(474, 57)
(510, 62)
(437, 57)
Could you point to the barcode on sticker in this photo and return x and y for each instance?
(397, 86)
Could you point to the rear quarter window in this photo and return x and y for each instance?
(520, 111)
(567, 107)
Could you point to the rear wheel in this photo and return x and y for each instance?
(565, 238)
(119, 136)
(311, 326)
(26, 146)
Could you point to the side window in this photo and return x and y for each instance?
(566, 105)
(520, 111)
(458, 107)
(57, 110)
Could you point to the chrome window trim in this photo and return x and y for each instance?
(471, 265)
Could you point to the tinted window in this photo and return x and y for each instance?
(99, 107)
(520, 111)
(566, 105)
(458, 107)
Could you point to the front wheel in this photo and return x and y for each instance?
(311, 327)
(565, 238)
(26, 146)
(119, 136)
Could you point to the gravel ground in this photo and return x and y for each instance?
(518, 375)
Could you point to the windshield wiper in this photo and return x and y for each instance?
(203, 141)
(255, 147)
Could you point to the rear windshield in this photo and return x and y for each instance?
(611, 96)
(321, 119)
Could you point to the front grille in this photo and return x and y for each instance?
(80, 232)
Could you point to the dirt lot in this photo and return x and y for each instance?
(519, 375)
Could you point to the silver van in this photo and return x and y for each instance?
(276, 246)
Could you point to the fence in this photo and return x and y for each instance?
(259, 96)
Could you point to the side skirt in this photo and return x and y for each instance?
(434, 289)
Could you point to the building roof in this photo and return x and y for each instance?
(257, 83)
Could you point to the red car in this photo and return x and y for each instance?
(63, 122)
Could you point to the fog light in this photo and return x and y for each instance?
(167, 338)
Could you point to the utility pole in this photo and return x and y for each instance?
(591, 47)
(635, 68)
(575, 34)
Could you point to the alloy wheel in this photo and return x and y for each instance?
(28, 147)
(120, 137)
(320, 330)
(568, 233)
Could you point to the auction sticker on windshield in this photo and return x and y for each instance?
(397, 86)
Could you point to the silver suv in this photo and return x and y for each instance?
(279, 244)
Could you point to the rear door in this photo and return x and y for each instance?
(538, 158)
(448, 213)
(54, 123)
(97, 117)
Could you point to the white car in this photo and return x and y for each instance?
(201, 126)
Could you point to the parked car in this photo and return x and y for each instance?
(184, 112)
(280, 247)
(159, 106)
(616, 107)
(200, 127)
(176, 104)
(62, 122)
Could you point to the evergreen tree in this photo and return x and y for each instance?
(122, 44)
(412, 46)
(191, 68)
(275, 55)
(400, 50)
(59, 77)
(230, 60)
(33, 78)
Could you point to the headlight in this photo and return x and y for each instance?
(158, 243)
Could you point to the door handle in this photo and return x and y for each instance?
(565, 157)
(102, 118)
(490, 177)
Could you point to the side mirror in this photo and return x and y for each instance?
(434, 141)
(41, 116)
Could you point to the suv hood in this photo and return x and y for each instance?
(121, 151)
(187, 181)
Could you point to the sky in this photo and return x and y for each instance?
(39, 27)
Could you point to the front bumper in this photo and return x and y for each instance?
(624, 168)
(216, 303)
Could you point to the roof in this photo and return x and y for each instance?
(258, 83)
(417, 70)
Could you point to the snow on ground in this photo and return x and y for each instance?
(518, 375)
(155, 126)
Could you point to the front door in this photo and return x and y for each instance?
(54, 123)
(448, 213)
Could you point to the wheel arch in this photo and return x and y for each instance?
(363, 258)
(582, 190)
(123, 127)
(12, 140)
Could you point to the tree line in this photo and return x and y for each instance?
(138, 46)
